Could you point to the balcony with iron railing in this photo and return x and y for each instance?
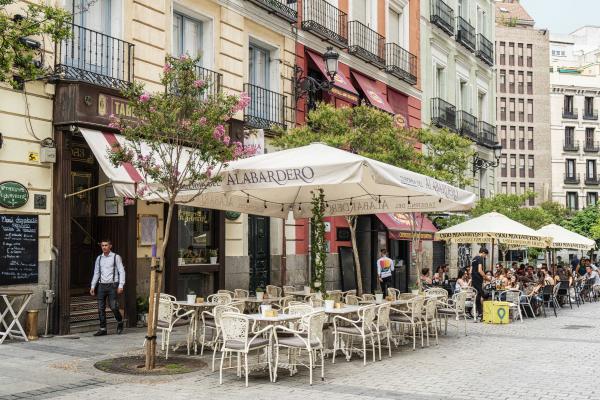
(467, 125)
(443, 114)
(266, 108)
(213, 80)
(365, 43)
(286, 9)
(487, 134)
(572, 179)
(590, 115)
(485, 50)
(591, 180)
(465, 34)
(96, 58)
(401, 63)
(591, 146)
(571, 145)
(570, 113)
(326, 21)
(442, 15)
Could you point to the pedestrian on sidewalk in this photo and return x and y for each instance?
(109, 277)
(478, 276)
(385, 267)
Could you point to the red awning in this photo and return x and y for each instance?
(399, 226)
(375, 97)
(348, 91)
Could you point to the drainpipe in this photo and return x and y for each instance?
(283, 256)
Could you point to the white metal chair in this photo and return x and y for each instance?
(413, 319)
(273, 291)
(393, 293)
(224, 291)
(241, 294)
(239, 338)
(470, 299)
(513, 297)
(219, 298)
(440, 293)
(211, 322)
(368, 297)
(287, 289)
(170, 316)
(347, 292)
(383, 327)
(359, 328)
(308, 337)
(335, 295)
(455, 309)
(352, 300)
(430, 318)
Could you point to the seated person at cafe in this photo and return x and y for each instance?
(548, 280)
(534, 292)
(511, 281)
(440, 275)
(463, 281)
(425, 279)
(593, 278)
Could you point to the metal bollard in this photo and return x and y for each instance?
(31, 325)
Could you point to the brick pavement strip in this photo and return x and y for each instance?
(542, 359)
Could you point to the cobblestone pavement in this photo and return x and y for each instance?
(551, 358)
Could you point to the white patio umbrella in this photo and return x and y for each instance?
(276, 183)
(495, 228)
(563, 238)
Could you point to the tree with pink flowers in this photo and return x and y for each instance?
(177, 140)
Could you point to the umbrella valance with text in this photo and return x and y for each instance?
(563, 238)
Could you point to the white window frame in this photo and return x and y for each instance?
(371, 17)
(402, 8)
(274, 72)
(208, 26)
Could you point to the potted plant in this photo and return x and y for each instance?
(414, 288)
(213, 254)
(191, 297)
(329, 302)
(378, 296)
(260, 293)
(181, 260)
(142, 310)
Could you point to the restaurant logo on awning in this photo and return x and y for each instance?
(278, 176)
(374, 96)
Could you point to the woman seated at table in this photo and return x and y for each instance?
(463, 281)
(534, 291)
(425, 279)
(440, 275)
(511, 281)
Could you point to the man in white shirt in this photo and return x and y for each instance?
(109, 276)
(385, 267)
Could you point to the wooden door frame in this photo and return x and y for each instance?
(252, 245)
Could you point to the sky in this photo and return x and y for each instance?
(563, 16)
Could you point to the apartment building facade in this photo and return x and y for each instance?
(457, 39)
(575, 87)
(523, 104)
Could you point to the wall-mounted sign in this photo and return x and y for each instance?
(108, 105)
(13, 195)
(33, 157)
(232, 215)
(400, 121)
(39, 201)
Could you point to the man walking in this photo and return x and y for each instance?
(477, 278)
(109, 275)
(385, 267)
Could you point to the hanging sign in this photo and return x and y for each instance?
(13, 195)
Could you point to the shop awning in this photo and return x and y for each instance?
(399, 226)
(375, 97)
(123, 178)
(342, 86)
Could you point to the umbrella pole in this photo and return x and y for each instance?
(492, 261)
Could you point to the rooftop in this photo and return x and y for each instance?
(508, 10)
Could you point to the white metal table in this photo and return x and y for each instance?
(15, 302)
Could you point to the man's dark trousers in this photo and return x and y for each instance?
(385, 284)
(108, 290)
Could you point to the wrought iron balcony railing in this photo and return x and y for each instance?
(286, 9)
(213, 79)
(570, 114)
(571, 145)
(467, 125)
(326, 21)
(591, 146)
(485, 50)
(266, 108)
(466, 34)
(96, 58)
(401, 63)
(443, 114)
(442, 16)
(487, 134)
(590, 115)
(591, 180)
(366, 44)
(572, 179)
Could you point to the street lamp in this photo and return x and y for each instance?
(310, 86)
(480, 163)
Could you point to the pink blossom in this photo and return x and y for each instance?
(218, 132)
(226, 140)
(199, 83)
(141, 190)
(209, 171)
(242, 103)
(128, 201)
(202, 121)
(167, 68)
(184, 57)
(185, 123)
(152, 109)
(144, 97)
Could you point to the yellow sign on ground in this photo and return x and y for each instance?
(496, 312)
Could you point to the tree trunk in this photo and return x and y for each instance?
(352, 221)
(156, 275)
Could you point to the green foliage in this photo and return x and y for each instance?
(372, 133)
(44, 23)
(586, 222)
(178, 140)
(319, 251)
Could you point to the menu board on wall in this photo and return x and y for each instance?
(18, 249)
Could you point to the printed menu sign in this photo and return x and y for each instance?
(18, 249)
